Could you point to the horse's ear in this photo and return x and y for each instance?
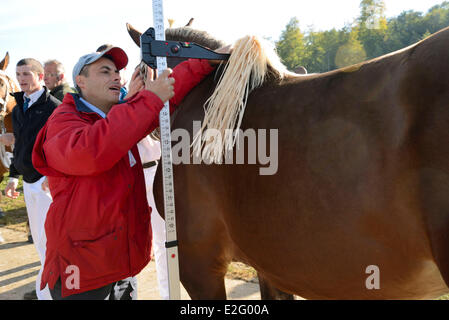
(189, 24)
(5, 62)
(135, 35)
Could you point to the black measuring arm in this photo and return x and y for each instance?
(152, 48)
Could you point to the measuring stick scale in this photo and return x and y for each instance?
(167, 168)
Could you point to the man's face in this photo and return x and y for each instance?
(101, 86)
(29, 80)
(51, 77)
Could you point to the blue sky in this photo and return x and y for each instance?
(66, 30)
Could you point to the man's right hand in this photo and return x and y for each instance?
(162, 86)
(10, 190)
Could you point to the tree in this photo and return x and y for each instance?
(322, 48)
(350, 53)
(371, 35)
(372, 27)
(372, 14)
(404, 30)
(291, 46)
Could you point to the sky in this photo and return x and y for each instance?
(66, 30)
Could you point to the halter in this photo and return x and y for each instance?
(5, 156)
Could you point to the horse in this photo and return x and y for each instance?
(358, 208)
(7, 103)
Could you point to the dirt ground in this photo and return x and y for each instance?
(19, 266)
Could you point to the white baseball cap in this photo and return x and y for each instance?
(117, 55)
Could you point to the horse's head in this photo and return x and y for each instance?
(184, 34)
(7, 86)
(7, 103)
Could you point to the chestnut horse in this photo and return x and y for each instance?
(7, 103)
(359, 206)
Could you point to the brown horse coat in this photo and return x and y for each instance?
(362, 181)
(7, 86)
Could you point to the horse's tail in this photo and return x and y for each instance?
(245, 70)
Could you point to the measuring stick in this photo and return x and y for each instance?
(167, 168)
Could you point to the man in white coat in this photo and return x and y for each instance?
(150, 153)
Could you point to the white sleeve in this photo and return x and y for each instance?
(149, 149)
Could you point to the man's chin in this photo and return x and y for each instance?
(115, 100)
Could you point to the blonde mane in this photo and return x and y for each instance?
(249, 64)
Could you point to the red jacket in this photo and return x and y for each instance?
(99, 220)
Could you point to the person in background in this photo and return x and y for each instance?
(34, 107)
(150, 153)
(55, 80)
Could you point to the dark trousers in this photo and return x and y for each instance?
(120, 290)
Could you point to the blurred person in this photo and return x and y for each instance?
(55, 79)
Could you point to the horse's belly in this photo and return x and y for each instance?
(428, 284)
(345, 265)
(424, 282)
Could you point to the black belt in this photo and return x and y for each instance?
(149, 164)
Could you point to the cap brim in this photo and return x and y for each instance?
(118, 56)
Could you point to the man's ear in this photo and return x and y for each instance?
(61, 77)
(41, 76)
(79, 81)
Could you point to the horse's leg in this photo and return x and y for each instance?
(269, 292)
(202, 273)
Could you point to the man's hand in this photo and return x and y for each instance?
(10, 190)
(136, 84)
(162, 86)
(7, 139)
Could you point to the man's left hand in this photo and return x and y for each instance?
(136, 84)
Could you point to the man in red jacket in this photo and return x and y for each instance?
(98, 226)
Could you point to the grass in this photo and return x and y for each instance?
(241, 271)
(15, 211)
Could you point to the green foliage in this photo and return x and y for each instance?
(352, 52)
(291, 45)
(15, 211)
(371, 35)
